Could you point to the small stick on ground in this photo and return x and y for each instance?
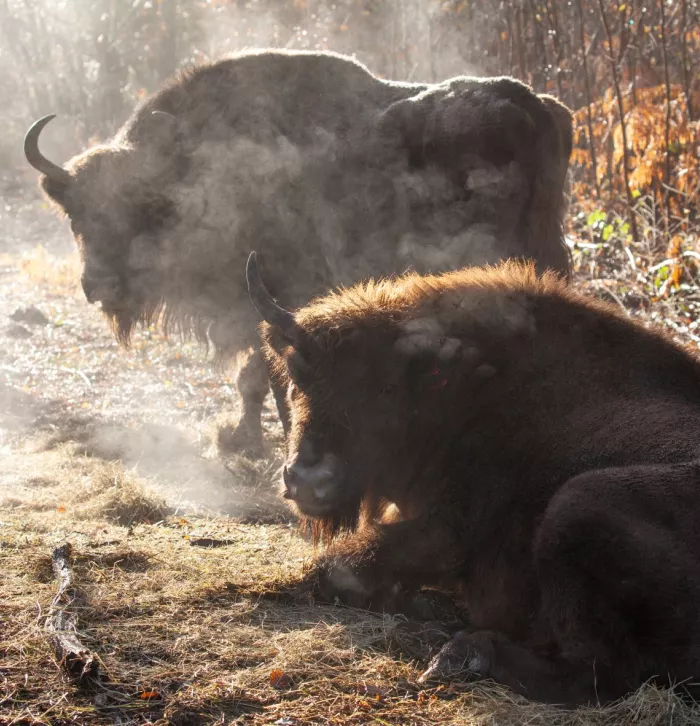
(211, 542)
(61, 623)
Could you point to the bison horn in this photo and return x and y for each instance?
(264, 303)
(164, 114)
(37, 159)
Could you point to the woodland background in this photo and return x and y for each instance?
(630, 71)
(112, 450)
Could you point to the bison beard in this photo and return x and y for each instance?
(332, 173)
(541, 453)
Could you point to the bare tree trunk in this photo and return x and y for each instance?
(589, 98)
(519, 35)
(570, 54)
(667, 130)
(538, 43)
(623, 123)
(555, 35)
(511, 39)
(632, 57)
(432, 46)
(686, 61)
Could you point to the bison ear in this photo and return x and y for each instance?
(295, 358)
(298, 366)
(157, 129)
(57, 191)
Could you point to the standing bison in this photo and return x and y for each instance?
(541, 451)
(332, 173)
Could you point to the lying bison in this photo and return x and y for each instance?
(332, 173)
(541, 452)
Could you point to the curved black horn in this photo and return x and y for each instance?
(263, 302)
(37, 159)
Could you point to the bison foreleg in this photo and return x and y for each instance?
(485, 654)
(253, 385)
(382, 567)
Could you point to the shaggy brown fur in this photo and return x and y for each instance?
(332, 173)
(542, 453)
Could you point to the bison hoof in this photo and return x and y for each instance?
(340, 582)
(467, 656)
(241, 440)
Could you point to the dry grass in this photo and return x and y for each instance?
(89, 490)
(653, 279)
(43, 268)
(185, 634)
(191, 635)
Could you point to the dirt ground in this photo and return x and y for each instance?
(111, 451)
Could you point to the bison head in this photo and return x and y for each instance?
(114, 201)
(363, 376)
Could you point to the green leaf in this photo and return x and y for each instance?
(661, 275)
(595, 217)
(607, 231)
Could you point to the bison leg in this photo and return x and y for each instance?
(280, 393)
(252, 384)
(485, 654)
(616, 561)
(381, 567)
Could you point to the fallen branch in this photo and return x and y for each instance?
(61, 623)
(211, 542)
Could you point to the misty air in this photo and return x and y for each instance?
(349, 362)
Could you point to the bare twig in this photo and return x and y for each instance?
(623, 124)
(686, 61)
(519, 29)
(555, 36)
(210, 542)
(76, 372)
(667, 130)
(600, 285)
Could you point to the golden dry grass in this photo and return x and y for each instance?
(42, 267)
(191, 635)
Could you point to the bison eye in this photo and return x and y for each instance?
(389, 389)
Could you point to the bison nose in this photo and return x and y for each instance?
(290, 476)
(96, 288)
(89, 288)
(310, 483)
